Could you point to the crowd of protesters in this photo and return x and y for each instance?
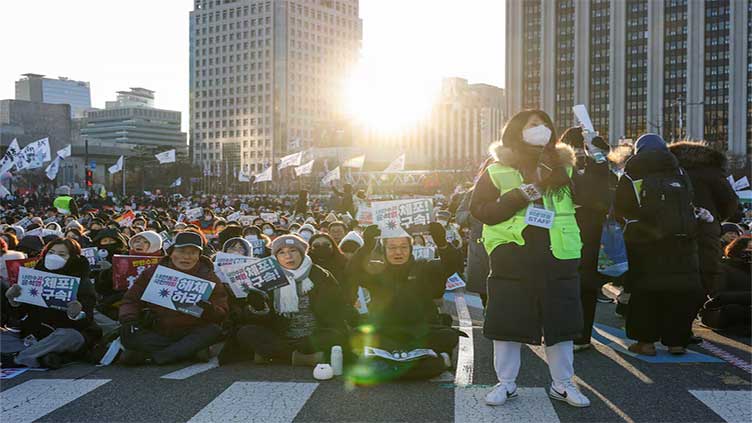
(526, 236)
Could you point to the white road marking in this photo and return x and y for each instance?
(36, 398)
(257, 402)
(531, 405)
(193, 370)
(465, 353)
(732, 406)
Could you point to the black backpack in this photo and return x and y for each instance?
(666, 209)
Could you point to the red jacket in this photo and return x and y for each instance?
(169, 320)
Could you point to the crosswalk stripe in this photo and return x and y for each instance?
(257, 402)
(36, 398)
(531, 405)
(732, 406)
(193, 370)
(465, 352)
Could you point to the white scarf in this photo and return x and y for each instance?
(286, 298)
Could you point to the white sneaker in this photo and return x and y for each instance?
(501, 393)
(570, 395)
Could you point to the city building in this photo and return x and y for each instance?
(34, 87)
(265, 74)
(465, 119)
(681, 68)
(136, 97)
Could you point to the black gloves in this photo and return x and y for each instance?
(369, 236)
(438, 233)
(257, 301)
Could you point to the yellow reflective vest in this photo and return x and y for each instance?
(564, 233)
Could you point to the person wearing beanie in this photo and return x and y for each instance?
(31, 245)
(239, 246)
(729, 232)
(146, 243)
(350, 244)
(525, 197)
(655, 196)
(402, 314)
(75, 234)
(297, 323)
(18, 231)
(171, 336)
(108, 242)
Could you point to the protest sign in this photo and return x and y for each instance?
(265, 274)
(14, 266)
(364, 216)
(10, 373)
(234, 217)
(270, 217)
(24, 223)
(246, 220)
(91, 255)
(395, 217)
(454, 282)
(424, 253)
(126, 219)
(45, 289)
(259, 245)
(177, 291)
(126, 269)
(223, 260)
(194, 213)
(167, 240)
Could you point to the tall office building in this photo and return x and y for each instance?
(264, 74)
(463, 122)
(34, 87)
(681, 68)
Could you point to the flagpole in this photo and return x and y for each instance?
(123, 175)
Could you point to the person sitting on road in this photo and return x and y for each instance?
(729, 307)
(61, 335)
(297, 323)
(161, 335)
(402, 315)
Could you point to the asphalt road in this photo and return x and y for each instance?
(699, 388)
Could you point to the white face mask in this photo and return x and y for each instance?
(537, 135)
(251, 237)
(54, 262)
(269, 232)
(306, 235)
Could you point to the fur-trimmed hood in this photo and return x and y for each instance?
(695, 154)
(509, 157)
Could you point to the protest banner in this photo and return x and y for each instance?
(364, 216)
(126, 219)
(177, 291)
(265, 274)
(454, 282)
(234, 217)
(14, 266)
(126, 269)
(396, 217)
(24, 223)
(246, 220)
(45, 289)
(423, 253)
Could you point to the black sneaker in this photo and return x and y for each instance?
(133, 358)
(52, 361)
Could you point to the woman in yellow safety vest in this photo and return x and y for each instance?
(526, 201)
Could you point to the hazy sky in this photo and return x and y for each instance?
(408, 46)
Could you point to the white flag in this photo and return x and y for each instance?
(177, 182)
(291, 160)
(356, 162)
(306, 169)
(10, 157)
(331, 176)
(117, 167)
(264, 176)
(64, 153)
(52, 169)
(166, 156)
(34, 155)
(243, 176)
(397, 165)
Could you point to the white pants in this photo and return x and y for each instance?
(560, 359)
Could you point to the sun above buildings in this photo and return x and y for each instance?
(387, 99)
